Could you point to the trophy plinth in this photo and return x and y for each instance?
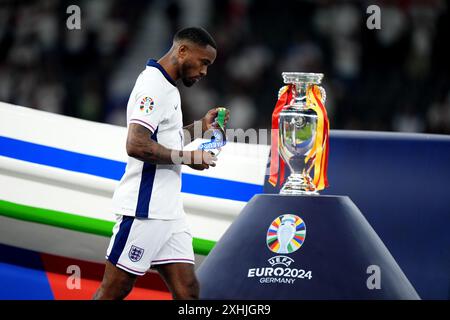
(284, 248)
(297, 133)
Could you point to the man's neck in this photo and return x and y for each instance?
(170, 68)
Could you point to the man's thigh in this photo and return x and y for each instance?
(181, 279)
(175, 263)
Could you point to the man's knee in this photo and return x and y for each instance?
(114, 290)
(117, 290)
(116, 284)
(187, 291)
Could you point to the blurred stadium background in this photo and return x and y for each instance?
(393, 79)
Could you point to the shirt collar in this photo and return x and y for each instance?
(155, 64)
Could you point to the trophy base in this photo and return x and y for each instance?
(298, 184)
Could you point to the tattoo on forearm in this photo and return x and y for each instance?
(142, 147)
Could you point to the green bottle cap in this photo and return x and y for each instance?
(221, 117)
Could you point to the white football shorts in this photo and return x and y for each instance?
(139, 243)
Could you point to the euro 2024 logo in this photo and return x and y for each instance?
(147, 104)
(286, 234)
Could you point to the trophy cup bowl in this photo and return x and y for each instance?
(297, 132)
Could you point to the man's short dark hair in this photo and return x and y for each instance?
(196, 35)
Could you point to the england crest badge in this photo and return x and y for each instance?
(135, 254)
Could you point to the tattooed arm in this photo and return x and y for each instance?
(142, 147)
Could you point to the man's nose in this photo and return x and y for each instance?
(204, 71)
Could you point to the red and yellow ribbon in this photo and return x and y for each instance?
(319, 152)
(276, 162)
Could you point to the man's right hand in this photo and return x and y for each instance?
(201, 160)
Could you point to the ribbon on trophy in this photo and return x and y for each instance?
(319, 152)
(277, 165)
(218, 139)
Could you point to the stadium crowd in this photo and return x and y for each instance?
(392, 79)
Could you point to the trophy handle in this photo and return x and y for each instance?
(323, 93)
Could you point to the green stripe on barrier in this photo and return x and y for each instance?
(202, 246)
(56, 218)
(77, 223)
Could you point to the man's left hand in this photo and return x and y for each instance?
(209, 120)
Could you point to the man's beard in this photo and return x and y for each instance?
(188, 82)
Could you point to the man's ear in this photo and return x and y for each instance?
(183, 50)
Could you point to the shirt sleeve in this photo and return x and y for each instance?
(149, 109)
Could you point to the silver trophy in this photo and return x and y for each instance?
(297, 132)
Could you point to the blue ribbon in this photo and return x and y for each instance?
(217, 141)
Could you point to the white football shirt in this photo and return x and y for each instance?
(152, 190)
